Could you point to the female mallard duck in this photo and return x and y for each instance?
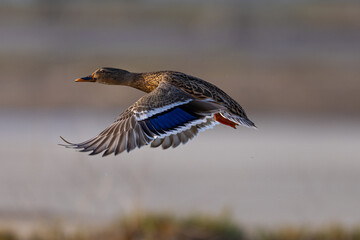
(175, 109)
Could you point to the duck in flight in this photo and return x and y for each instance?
(176, 107)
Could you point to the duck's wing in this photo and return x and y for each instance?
(167, 113)
(183, 137)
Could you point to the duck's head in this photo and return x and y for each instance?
(107, 75)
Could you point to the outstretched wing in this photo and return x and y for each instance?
(167, 116)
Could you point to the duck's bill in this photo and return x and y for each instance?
(85, 79)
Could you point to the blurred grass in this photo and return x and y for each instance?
(165, 227)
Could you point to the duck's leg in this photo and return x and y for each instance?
(225, 121)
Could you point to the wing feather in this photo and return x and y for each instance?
(165, 117)
(176, 141)
(167, 142)
(121, 144)
(157, 142)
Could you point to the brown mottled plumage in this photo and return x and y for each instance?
(175, 109)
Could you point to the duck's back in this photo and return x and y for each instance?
(202, 89)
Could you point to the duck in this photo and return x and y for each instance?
(175, 109)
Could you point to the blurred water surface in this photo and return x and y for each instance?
(291, 171)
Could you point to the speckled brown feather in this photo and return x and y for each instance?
(202, 89)
(194, 86)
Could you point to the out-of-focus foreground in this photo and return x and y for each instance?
(164, 227)
(293, 65)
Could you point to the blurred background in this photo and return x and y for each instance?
(293, 65)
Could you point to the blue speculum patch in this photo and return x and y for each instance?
(169, 120)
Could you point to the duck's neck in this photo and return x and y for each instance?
(146, 82)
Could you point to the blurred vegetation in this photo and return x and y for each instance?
(165, 227)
